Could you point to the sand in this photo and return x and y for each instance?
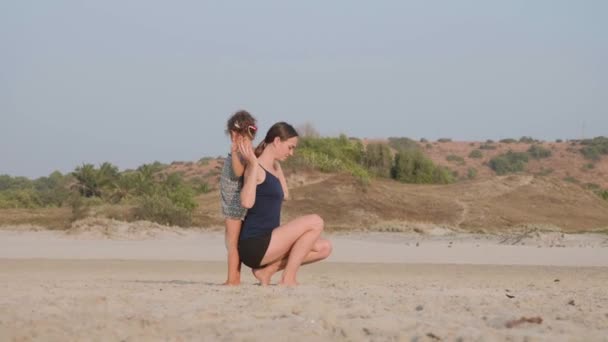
(376, 287)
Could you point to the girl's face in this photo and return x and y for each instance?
(286, 148)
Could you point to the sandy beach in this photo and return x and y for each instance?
(165, 286)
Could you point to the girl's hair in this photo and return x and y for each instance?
(282, 130)
(242, 123)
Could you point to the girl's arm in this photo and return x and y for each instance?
(250, 182)
(237, 165)
(282, 180)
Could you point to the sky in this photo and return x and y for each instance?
(133, 82)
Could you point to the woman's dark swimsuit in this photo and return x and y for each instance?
(261, 220)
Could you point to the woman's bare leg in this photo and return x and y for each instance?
(320, 250)
(233, 229)
(292, 241)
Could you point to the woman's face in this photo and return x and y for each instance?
(286, 148)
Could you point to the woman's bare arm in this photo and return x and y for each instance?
(237, 164)
(251, 176)
(282, 180)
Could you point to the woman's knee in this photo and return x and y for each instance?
(326, 247)
(316, 222)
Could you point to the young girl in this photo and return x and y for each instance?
(242, 129)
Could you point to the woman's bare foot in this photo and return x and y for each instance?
(264, 275)
(289, 283)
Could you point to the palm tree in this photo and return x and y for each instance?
(87, 180)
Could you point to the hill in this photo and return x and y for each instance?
(556, 192)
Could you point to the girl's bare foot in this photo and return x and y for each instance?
(234, 279)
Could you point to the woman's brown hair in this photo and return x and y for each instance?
(282, 130)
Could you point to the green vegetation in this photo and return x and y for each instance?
(508, 141)
(455, 159)
(401, 144)
(341, 154)
(378, 159)
(602, 193)
(159, 197)
(21, 192)
(487, 146)
(538, 152)
(476, 154)
(471, 173)
(545, 172)
(412, 166)
(509, 162)
(593, 149)
(444, 140)
(558, 140)
(516, 161)
(331, 155)
(527, 140)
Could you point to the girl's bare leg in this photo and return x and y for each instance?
(233, 229)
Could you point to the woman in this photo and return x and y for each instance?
(264, 244)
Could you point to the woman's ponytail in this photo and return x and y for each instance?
(258, 150)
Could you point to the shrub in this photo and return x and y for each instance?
(456, 159)
(571, 179)
(413, 167)
(603, 194)
(489, 141)
(527, 140)
(538, 152)
(509, 162)
(591, 152)
(423, 140)
(508, 141)
(200, 186)
(330, 155)
(444, 140)
(487, 146)
(402, 144)
(471, 173)
(558, 140)
(378, 159)
(476, 154)
(21, 198)
(160, 209)
(205, 161)
(594, 148)
(545, 172)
